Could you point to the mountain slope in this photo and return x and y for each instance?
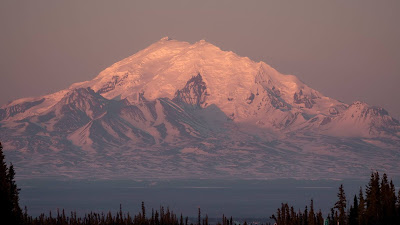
(199, 111)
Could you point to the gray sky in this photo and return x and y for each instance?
(348, 50)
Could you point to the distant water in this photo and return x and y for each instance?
(240, 199)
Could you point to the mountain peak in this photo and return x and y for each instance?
(203, 45)
(241, 88)
(233, 82)
(173, 96)
(202, 42)
(359, 104)
(166, 38)
(80, 95)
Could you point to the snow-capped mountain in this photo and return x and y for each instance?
(181, 110)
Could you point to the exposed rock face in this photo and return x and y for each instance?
(109, 86)
(194, 93)
(13, 110)
(308, 101)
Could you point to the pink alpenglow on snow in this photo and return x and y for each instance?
(182, 110)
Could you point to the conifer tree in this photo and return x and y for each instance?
(373, 206)
(340, 205)
(398, 208)
(14, 195)
(5, 201)
(388, 201)
(361, 208)
(10, 212)
(311, 214)
(320, 218)
(353, 217)
(293, 216)
(199, 217)
(331, 218)
(143, 219)
(305, 216)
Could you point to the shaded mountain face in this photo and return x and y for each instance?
(194, 93)
(180, 110)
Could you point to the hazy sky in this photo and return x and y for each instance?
(348, 50)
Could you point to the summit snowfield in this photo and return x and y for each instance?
(181, 110)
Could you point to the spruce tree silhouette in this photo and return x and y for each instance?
(340, 205)
(10, 212)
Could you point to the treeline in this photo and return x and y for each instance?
(161, 217)
(287, 215)
(378, 206)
